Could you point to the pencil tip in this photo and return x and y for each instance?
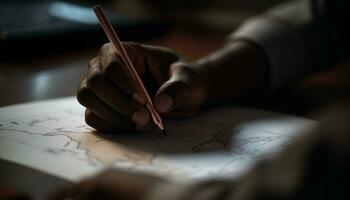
(164, 132)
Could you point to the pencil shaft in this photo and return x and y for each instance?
(119, 48)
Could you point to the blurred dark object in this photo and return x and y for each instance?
(173, 4)
(218, 15)
(11, 194)
(31, 28)
(240, 4)
(17, 182)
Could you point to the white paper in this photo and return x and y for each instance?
(223, 142)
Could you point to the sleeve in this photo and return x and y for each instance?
(299, 37)
(315, 166)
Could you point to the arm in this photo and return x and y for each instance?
(300, 37)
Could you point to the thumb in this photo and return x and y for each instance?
(174, 92)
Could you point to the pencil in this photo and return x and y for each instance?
(119, 48)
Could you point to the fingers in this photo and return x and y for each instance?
(114, 68)
(98, 123)
(106, 100)
(114, 98)
(88, 99)
(178, 90)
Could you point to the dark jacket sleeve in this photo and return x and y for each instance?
(300, 37)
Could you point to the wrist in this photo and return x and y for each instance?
(236, 71)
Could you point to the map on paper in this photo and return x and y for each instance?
(52, 136)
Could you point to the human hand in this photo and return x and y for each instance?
(110, 96)
(112, 184)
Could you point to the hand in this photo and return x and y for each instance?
(111, 184)
(114, 104)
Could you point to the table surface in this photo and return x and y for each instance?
(59, 75)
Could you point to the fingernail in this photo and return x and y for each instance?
(139, 98)
(163, 103)
(141, 118)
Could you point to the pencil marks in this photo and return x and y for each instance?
(213, 144)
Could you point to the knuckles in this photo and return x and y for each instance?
(109, 59)
(111, 65)
(182, 67)
(84, 95)
(186, 73)
(105, 48)
(94, 79)
(93, 62)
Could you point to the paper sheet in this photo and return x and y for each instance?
(223, 142)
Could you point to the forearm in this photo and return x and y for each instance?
(299, 37)
(276, 49)
(237, 70)
(265, 53)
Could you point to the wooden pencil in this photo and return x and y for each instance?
(119, 48)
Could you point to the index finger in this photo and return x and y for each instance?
(115, 70)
